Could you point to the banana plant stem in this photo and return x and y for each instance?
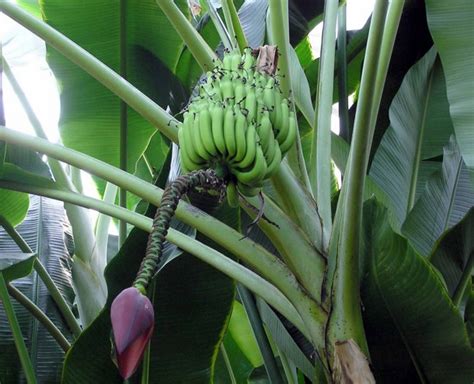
(227, 363)
(260, 336)
(280, 35)
(106, 76)
(346, 317)
(46, 278)
(392, 22)
(123, 148)
(278, 29)
(229, 24)
(198, 47)
(320, 160)
(344, 127)
(223, 32)
(16, 332)
(229, 8)
(298, 204)
(295, 248)
(38, 314)
(269, 292)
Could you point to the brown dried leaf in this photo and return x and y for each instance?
(267, 59)
(350, 364)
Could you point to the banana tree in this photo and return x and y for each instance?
(328, 278)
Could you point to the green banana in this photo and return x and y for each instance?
(205, 128)
(227, 62)
(239, 93)
(227, 88)
(240, 130)
(186, 163)
(236, 60)
(197, 141)
(283, 129)
(290, 138)
(188, 138)
(256, 173)
(275, 161)
(249, 59)
(277, 115)
(251, 144)
(229, 132)
(264, 131)
(217, 123)
(239, 123)
(251, 104)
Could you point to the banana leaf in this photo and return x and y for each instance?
(420, 126)
(450, 24)
(451, 257)
(448, 196)
(415, 332)
(46, 231)
(90, 114)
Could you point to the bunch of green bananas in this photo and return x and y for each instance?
(239, 124)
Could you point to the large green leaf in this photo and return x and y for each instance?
(452, 254)
(406, 52)
(45, 229)
(420, 322)
(419, 127)
(90, 114)
(13, 206)
(450, 24)
(16, 265)
(448, 196)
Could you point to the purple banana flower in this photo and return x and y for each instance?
(133, 320)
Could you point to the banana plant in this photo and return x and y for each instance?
(367, 280)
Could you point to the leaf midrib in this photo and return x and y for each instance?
(419, 144)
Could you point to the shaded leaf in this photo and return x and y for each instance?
(401, 284)
(27, 160)
(419, 122)
(300, 87)
(241, 367)
(252, 15)
(16, 265)
(453, 251)
(46, 231)
(451, 26)
(286, 341)
(406, 52)
(447, 198)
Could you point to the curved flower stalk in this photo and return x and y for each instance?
(131, 314)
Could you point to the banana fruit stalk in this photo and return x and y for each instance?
(240, 124)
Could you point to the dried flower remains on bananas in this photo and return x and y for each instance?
(240, 124)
